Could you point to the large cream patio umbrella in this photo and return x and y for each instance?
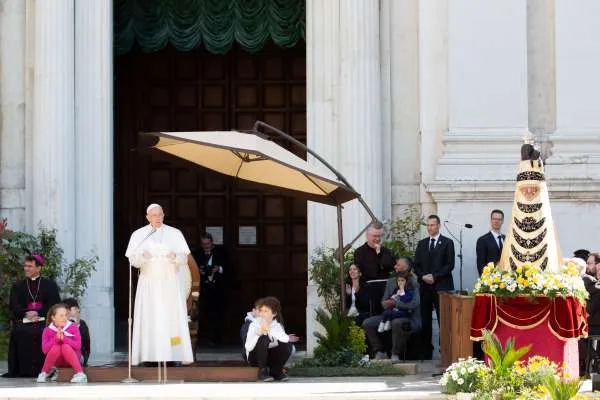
(250, 157)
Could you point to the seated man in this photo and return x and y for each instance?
(30, 300)
(401, 327)
(75, 317)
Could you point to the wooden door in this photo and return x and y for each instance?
(175, 91)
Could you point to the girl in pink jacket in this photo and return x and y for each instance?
(61, 342)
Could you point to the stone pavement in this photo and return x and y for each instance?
(421, 386)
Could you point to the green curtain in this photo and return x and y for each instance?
(216, 24)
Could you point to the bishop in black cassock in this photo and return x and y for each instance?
(30, 300)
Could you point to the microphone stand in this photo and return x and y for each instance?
(129, 379)
(460, 254)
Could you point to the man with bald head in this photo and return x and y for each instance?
(375, 262)
(160, 327)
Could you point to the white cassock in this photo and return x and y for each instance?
(160, 324)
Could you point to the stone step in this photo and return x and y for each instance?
(181, 374)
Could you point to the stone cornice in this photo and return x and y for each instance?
(580, 190)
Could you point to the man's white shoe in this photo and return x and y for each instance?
(395, 359)
(42, 377)
(381, 356)
(79, 377)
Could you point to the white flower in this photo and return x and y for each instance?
(463, 371)
(454, 375)
(460, 381)
(444, 380)
(471, 369)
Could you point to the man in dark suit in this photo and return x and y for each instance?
(489, 246)
(434, 262)
(215, 282)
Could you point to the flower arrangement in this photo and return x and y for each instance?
(535, 370)
(507, 376)
(529, 280)
(462, 376)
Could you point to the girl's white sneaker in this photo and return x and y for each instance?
(79, 377)
(42, 377)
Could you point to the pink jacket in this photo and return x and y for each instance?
(71, 338)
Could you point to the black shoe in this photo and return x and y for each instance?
(171, 364)
(283, 377)
(263, 375)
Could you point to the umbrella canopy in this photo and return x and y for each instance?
(249, 157)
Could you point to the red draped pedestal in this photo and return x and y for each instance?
(551, 326)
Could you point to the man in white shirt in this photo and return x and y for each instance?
(489, 246)
(160, 327)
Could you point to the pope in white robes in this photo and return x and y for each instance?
(160, 324)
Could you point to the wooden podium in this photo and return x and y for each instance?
(455, 327)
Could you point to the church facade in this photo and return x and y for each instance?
(416, 102)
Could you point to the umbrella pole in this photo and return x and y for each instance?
(340, 254)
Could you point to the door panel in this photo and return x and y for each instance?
(169, 90)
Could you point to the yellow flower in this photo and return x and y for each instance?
(502, 285)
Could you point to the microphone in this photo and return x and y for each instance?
(152, 232)
(468, 226)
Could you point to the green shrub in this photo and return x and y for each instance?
(373, 369)
(342, 343)
(561, 389)
(501, 360)
(337, 328)
(325, 273)
(357, 340)
(403, 232)
(332, 358)
(15, 246)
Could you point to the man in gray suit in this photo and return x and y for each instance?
(401, 327)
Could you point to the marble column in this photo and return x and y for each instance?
(480, 115)
(433, 90)
(402, 17)
(573, 169)
(52, 162)
(12, 112)
(541, 72)
(487, 89)
(576, 142)
(94, 149)
(359, 110)
(322, 69)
